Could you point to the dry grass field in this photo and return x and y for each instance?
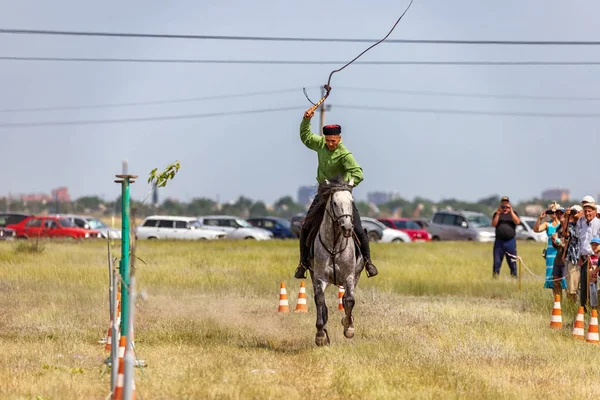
(433, 324)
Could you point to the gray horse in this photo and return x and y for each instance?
(335, 261)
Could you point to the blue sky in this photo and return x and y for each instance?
(260, 155)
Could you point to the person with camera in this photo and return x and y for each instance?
(556, 213)
(587, 228)
(505, 220)
(571, 255)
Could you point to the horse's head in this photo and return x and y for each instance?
(341, 211)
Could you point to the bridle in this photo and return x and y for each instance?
(335, 220)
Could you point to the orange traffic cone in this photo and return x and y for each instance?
(118, 393)
(301, 304)
(108, 343)
(283, 299)
(579, 325)
(592, 335)
(120, 384)
(556, 320)
(341, 292)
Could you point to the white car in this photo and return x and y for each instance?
(389, 235)
(234, 227)
(167, 227)
(525, 231)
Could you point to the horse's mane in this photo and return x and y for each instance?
(315, 216)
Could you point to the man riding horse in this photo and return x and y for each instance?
(335, 161)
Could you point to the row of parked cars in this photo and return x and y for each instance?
(24, 226)
(444, 225)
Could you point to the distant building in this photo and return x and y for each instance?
(560, 195)
(61, 194)
(379, 198)
(306, 194)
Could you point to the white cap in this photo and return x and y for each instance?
(577, 208)
(588, 199)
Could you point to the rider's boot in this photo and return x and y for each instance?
(365, 249)
(304, 257)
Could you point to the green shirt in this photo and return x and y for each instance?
(337, 163)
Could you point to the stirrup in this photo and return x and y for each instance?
(300, 272)
(370, 266)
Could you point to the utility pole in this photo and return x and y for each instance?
(322, 110)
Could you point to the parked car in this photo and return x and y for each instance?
(234, 227)
(279, 227)
(7, 233)
(87, 222)
(416, 233)
(51, 227)
(11, 218)
(422, 222)
(462, 225)
(167, 227)
(374, 231)
(296, 222)
(525, 231)
(388, 235)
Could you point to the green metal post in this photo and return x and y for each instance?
(124, 270)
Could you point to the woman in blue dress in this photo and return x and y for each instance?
(556, 213)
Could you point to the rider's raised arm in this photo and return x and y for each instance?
(309, 139)
(353, 170)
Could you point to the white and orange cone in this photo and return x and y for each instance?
(109, 338)
(579, 325)
(592, 335)
(556, 320)
(301, 304)
(108, 344)
(118, 393)
(341, 292)
(284, 306)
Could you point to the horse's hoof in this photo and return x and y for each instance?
(349, 332)
(322, 339)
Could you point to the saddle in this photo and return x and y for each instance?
(357, 252)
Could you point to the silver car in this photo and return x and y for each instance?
(234, 227)
(462, 225)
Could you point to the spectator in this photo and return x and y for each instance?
(587, 228)
(571, 255)
(593, 273)
(559, 243)
(505, 220)
(555, 212)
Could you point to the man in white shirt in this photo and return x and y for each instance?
(586, 229)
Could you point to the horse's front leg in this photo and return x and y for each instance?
(348, 301)
(321, 338)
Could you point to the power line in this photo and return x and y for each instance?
(471, 112)
(472, 95)
(270, 92)
(341, 106)
(143, 119)
(151, 102)
(291, 62)
(298, 39)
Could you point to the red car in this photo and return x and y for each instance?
(51, 227)
(416, 233)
